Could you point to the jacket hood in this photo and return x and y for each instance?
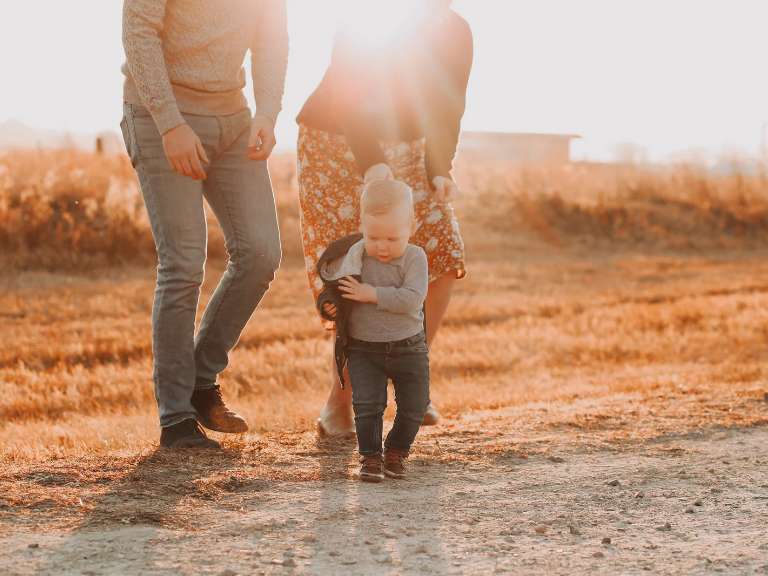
(350, 264)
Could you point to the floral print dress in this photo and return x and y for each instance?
(329, 194)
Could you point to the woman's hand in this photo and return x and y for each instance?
(262, 138)
(446, 189)
(378, 171)
(354, 290)
(185, 152)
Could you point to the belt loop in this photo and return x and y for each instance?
(389, 347)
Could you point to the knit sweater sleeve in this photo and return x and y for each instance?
(409, 297)
(350, 80)
(449, 80)
(142, 29)
(269, 57)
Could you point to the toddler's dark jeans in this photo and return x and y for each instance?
(406, 363)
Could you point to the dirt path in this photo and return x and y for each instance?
(696, 503)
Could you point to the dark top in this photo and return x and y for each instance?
(412, 90)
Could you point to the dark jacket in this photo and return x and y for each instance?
(414, 89)
(335, 263)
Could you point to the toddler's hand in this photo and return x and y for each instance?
(378, 171)
(329, 309)
(354, 290)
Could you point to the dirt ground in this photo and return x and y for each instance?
(601, 416)
(480, 499)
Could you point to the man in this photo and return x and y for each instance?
(190, 135)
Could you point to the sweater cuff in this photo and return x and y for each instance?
(167, 117)
(270, 111)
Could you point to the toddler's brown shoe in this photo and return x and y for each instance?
(371, 468)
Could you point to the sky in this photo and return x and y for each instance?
(674, 77)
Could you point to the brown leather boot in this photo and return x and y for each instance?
(370, 468)
(394, 462)
(214, 414)
(186, 434)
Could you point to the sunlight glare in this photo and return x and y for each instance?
(377, 24)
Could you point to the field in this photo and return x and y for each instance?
(602, 373)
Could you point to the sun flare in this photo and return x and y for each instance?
(377, 24)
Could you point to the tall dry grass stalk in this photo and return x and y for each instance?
(69, 209)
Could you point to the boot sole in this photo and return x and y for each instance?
(235, 429)
(395, 475)
(371, 478)
(200, 446)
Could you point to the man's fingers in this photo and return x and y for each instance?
(262, 153)
(175, 165)
(201, 152)
(186, 167)
(197, 168)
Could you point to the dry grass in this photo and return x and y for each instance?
(599, 345)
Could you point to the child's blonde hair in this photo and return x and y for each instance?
(384, 196)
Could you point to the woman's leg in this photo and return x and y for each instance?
(336, 417)
(438, 298)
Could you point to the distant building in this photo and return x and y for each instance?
(519, 148)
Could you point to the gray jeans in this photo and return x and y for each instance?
(239, 192)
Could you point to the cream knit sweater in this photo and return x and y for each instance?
(187, 56)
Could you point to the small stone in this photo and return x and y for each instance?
(34, 545)
(665, 528)
(334, 553)
(541, 529)
(689, 510)
(765, 397)
(698, 503)
(606, 540)
(421, 550)
(556, 459)
(598, 554)
(613, 483)
(289, 562)
(309, 538)
(573, 529)
(349, 562)
(639, 495)
(227, 572)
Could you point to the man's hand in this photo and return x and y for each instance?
(378, 171)
(354, 290)
(185, 152)
(262, 139)
(446, 189)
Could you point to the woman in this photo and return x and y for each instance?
(390, 108)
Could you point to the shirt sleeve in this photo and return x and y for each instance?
(269, 57)
(350, 89)
(408, 298)
(142, 27)
(450, 78)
